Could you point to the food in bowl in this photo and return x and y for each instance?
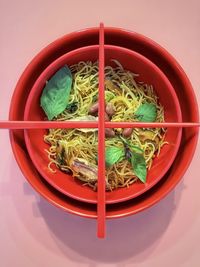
(72, 94)
(149, 73)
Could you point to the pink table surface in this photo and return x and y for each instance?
(34, 233)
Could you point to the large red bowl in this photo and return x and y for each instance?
(164, 61)
(149, 73)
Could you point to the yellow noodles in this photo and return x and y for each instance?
(126, 95)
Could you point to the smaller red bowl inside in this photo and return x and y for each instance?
(148, 73)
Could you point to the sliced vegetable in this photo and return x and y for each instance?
(86, 169)
(146, 112)
(114, 155)
(112, 87)
(86, 118)
(139, 166)
(55, 96)
(148, 135)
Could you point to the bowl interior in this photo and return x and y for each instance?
(148, 73)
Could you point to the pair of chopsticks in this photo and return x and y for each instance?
(101, 125)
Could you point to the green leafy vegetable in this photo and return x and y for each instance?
(114, 154)
(127, 142)
(109, 96)
(137, 149)
(139, 166)
(55, 96)
(132, 153)
(146, 112)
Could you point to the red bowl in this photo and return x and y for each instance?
(148, 73)
(164, 61)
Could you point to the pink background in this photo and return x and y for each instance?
(32, 232)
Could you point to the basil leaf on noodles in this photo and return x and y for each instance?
(146, 112)
(109, 96)
(128, 143)
(55, 95)
(113, 155)
(134, 155)
(139, 166)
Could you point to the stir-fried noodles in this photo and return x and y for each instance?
(75, 150)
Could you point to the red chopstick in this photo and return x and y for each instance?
(101, 207)
(90, 124)
(47, 124)
(151, 124)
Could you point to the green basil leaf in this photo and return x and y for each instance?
(146, 112)
(134, 148)
(109, 96)
(114, 154)
(139, 166)
(55, 96)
